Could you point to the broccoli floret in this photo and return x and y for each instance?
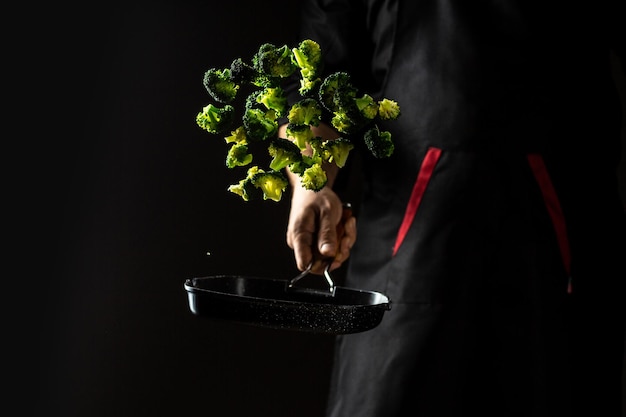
(244, 73)
(339, 96)
(308, 57)
(319, 153)
(379, 143)
(260, 124)
(283, 152)
(219, 84)
(314, 178)
(274, 61)
(309, 87)
(305, 112)
(253, 102)
(238, 155)
(215, 119)
(237, 136)
(334, 90)
(338, 150)
(367, 106)
(244, 188)
(272, 184)
(388, 109)
(302, 165)
(300, 134)
(348, 121)
(273, 98)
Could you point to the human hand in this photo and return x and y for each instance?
(320, 230)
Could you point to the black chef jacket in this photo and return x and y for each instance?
(496, 227)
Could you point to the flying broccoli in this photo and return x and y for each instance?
(319, 153)
(338, 150)
(301, 134)
(244, 188)
(220, 85)
(378, 142)
(339, 96)
(260, 124)
(308, 57)
(305, 112)
(309, 87)
(237, 136)
(271, 183)
(272, 98)
(314, 178)
(335, 89)
(388, 109)
(283, 152)
(274, 61)
(367, 106)
(215, 119)
(305, 163)
(243, 73)
(253, 101)
(300, 151)
(238, 155)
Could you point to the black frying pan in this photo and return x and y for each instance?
(281, 304)
(274, 303)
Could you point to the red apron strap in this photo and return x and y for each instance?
(423, 177)
(554, 209)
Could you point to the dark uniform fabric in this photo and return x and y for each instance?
(481, 320)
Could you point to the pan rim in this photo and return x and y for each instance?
(381, 300)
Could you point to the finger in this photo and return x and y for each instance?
(327, 244)
(302, 244)
(300, 238)
(346, 243)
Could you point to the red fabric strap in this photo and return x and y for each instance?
(423, 177)
(554, 209)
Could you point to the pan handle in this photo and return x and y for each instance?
(345, 215)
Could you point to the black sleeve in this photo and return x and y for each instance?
(339, 26)
(617, 30)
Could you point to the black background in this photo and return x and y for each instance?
(132, 197)
(124, 198)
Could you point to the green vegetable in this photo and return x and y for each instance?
(334, 87)
(271, 183)
(354, 114)
(238, 155)
(215, 119)
(388, 109)
(273, 98)
(305, 112)
(274, 61)
(301, 134)
(314, 178)
(337, 151)
(243, 73)
(308, 57)
(379, 143)
(367, 106)
(244, 188)
(237, 136)
(260, 124)
(284, 153)
(219, 84)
